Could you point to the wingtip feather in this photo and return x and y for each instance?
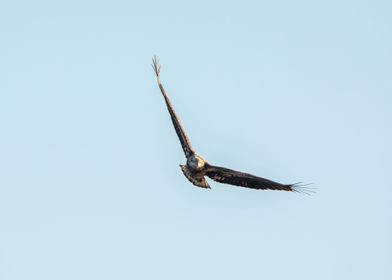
(302, 188)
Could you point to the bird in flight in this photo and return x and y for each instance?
(196, 168)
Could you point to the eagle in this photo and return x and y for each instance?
(196, 168)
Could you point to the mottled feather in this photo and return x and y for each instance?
(195, 178)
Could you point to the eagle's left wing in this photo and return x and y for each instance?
(232, 177)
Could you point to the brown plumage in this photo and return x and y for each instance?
(197, 168)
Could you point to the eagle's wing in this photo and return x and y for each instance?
(232, 177)
(185, 143)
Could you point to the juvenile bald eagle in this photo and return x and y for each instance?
(197, 168)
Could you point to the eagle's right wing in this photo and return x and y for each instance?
(185, 143)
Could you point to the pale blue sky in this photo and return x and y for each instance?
(90, 186)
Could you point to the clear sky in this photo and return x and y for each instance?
(90, 186)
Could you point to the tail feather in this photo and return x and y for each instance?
(196, 179)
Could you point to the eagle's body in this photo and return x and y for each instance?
(197, 168)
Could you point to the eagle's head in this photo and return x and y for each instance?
(195, 162)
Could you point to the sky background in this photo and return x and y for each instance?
(90, 186)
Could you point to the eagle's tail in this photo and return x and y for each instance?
(196, 179)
